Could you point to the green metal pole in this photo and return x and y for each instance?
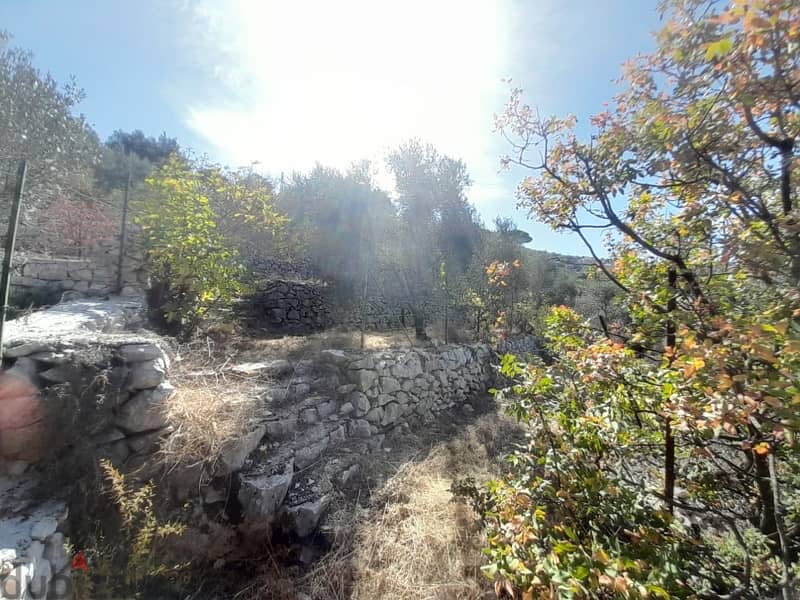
(11, 239)
(123, 226)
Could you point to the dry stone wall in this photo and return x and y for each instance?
(318, 406)
(104, 392)
(288, 305)
(94, 274)
(101, 394)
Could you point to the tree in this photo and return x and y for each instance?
(157, 151)
(79, 224)
(343, 218)
(38, 124)
(433, 212)
(244, 210)
(194, 266)
(664, 461)
(131, 154)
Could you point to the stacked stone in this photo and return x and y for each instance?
(92, 276)
(319, 404)
(379, 314)
(269, 268)
(523, 344)
(133, 416)
(33, 559)
(290, 305)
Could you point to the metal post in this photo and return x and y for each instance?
(122, 229)
(11, 239)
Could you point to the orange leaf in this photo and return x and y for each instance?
(762, 448)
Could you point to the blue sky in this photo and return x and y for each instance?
(288, 84)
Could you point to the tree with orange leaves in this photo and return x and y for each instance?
(663, 460)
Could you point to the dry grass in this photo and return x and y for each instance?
(205, 412)
(298, 347)
(416, 541)
(421, 545)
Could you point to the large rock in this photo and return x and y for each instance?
(389, 385)
(391, 412)
(359, 428)
(306, 455)
(362, 363)
(304, 518)
(236, 450)
(65, 373)
(134, 353)
(384, 399)
(273, 368)
(360, 401)
(363, 378)
(375, 415)
(146, 410)
(26, 349)
(337, 357)
(147, 374)
(408, 368)
(261, 495)
(327, 408)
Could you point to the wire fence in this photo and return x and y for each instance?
(68, 238)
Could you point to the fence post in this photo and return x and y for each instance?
(122, 228)
(11, 238)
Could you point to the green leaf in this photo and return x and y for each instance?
(718, 49)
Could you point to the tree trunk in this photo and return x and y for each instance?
(419, 324)
(669, 439)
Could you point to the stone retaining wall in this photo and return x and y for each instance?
(101, 393)
(288, 305)
(94, 274)
(106, 402)
(104, 395)
(287, 468)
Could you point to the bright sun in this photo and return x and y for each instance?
(346, 80)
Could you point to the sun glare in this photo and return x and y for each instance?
(350, 79)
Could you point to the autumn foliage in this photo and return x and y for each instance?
(79, 224)
(663, 459)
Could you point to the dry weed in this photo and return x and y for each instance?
(416, 542)
(205, 412)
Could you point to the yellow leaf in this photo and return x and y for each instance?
(762, 448)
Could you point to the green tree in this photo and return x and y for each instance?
(131, 154)
(156, 151)
(39, 124)
(436, 223)
(195, 267)
(663, 461)
(243, 205)
(343, 218)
